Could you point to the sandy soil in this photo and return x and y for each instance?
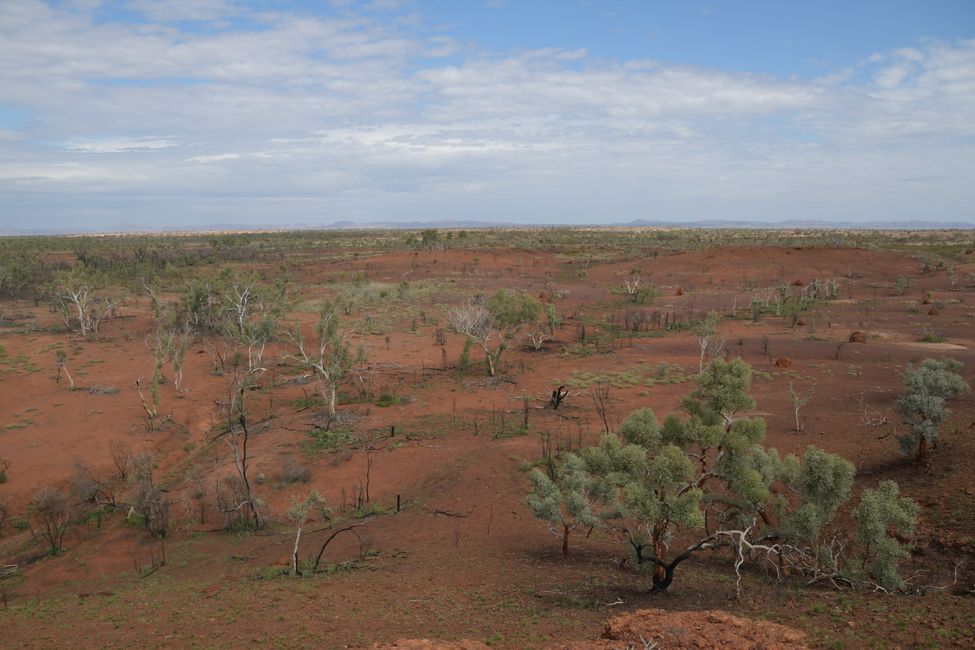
(464, 559)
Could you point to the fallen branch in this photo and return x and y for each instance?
(448, 513)
(152, 570)
(347, 529)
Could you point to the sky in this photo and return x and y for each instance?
(134, 114)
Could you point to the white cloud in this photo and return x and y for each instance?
(221, 157)
(179, 10)
(120, 145)
(335, 112)
(892, 76)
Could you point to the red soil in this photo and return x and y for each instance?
(465, 559)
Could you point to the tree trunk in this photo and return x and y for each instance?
(294, 553)
(922, 450)
(661, 574)
(490, 358)
(331, 399)
(82, 325)
(565, 539)
(242, 460)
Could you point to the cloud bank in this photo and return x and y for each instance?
(194, 113)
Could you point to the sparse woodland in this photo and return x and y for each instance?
(583, 419)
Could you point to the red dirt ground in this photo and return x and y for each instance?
(465, 559)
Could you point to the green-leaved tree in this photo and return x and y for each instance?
(329, 358)
(567, 500)
(706, 480)
(922, 406)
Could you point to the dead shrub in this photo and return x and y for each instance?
(292, 472)
(50, 514)
(89, 487)
(103, 390)
(148, 498)
(121, 459)
(231, 497)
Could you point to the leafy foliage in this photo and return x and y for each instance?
(501, 317)
(707, 476)
(567, 500)
(922, 406)
(330, 358)
(881, 510)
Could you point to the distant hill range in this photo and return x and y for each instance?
(809, 224)
(469, 224)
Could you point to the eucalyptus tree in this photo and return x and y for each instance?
(566, 498)
(928, 386)
(330, 357)
(706, 480)
(498, 319)
(79, 297)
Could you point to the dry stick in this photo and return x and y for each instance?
(369, 458)
(151, 411)
(448, 513)
(62, 365)
(294, 553)
(600, 398)
(351, 529)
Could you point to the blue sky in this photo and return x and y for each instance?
(138, 113)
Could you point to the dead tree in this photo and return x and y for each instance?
(600, 399)
(237, 438)
(62, 359)
(298, 514)
(558, 396)
(75, 297)
(632, 283)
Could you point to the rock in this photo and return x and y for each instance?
(707, 629)
(858, 336)
(670, 630)
(933, 311)
(428, 644)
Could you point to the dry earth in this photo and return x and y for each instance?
(464, 559)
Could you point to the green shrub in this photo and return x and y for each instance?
(387, 399)
(646, 295)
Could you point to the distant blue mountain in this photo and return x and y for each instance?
(470, 224)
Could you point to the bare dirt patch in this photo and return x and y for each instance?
(463, 559)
